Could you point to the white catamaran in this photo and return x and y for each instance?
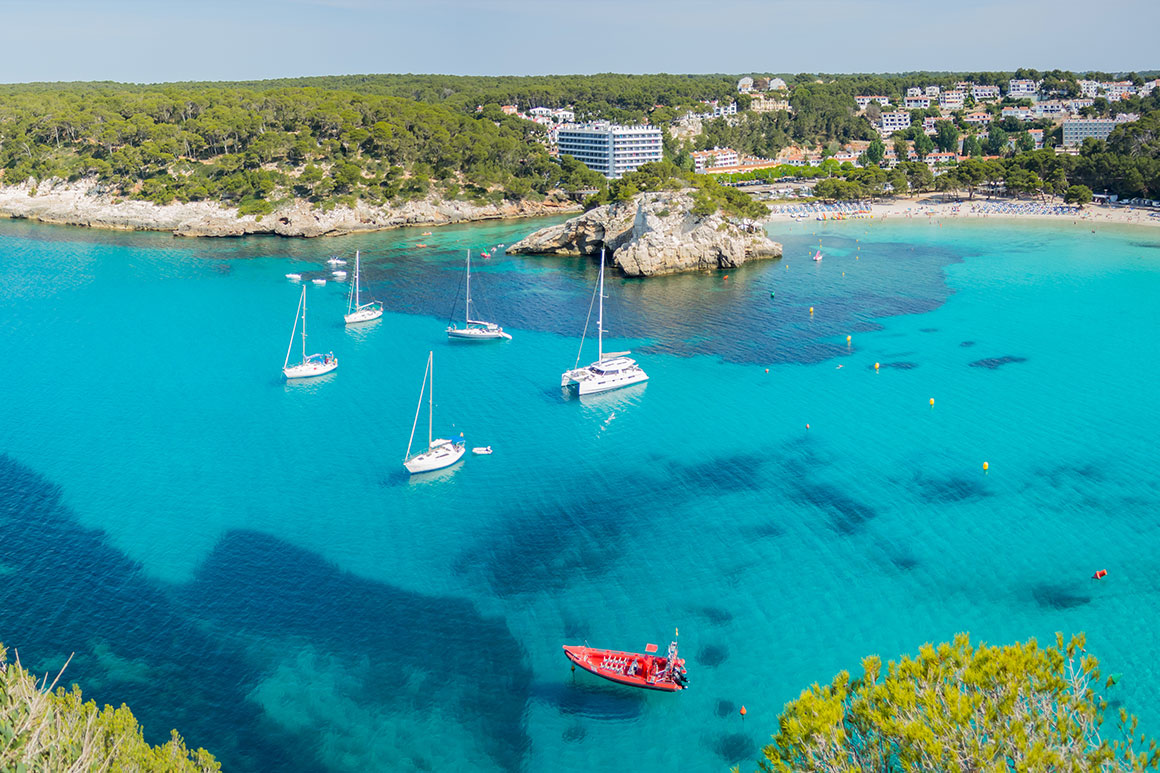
(474, 329)
(356, 311)
(612, 370)
(441, 452)
(311, 365)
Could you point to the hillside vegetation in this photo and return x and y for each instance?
(46, 730)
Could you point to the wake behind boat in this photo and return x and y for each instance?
(474, 329)
(360, 312)
(312, 364)
(610, 371)
(441, 452)
(633, 669)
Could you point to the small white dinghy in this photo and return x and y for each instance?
(294, 277)
(336, 261)
(481, 450)
(319, 282)
(338, 274)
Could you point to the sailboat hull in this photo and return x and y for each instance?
(595, 385)
(309, 369)
(435, 459)
(362, 315)
(490, 333)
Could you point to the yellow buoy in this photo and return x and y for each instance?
(875, 366)
(847, 339)
(811, 309)
(932, 402)
(986, 466)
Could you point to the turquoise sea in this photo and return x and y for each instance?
(246, 560)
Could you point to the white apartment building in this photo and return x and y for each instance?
(982, 93)
(1117, 90)
(893, 122)
(917, 103)
(612, 150)
(1049, 109)
(951, 100)
(1021, 113)
(914, 91)
(1076, 130)
(864, 101)
(1022, 89)
(979, 118)
(1089, 88)
(708, 159)
(932, 91)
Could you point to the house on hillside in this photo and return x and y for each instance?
(745, 85)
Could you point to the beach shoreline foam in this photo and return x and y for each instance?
(937, 208)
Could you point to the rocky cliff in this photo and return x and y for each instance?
(655, 233)
(85, 204)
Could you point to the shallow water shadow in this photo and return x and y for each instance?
(967, 343)
(132, 643)
(846, 516)
(997, 362)
(303, 597)
(1056, 596)
(946, 490)
(734, 748)
(589, 696)
(712, 655)
(724, 708)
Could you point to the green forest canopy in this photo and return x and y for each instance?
(391, 138)
(962, 707)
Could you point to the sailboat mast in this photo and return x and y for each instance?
(304, 323)
(430, 397)
(294, 329)
(418, 408)
(356, 303)
(467, 303)
(600, 316)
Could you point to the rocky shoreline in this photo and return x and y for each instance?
(85, 204)
(655, 234)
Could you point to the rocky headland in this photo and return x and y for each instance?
(654, 234)
(84, 203)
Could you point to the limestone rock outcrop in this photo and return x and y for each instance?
(655, 234)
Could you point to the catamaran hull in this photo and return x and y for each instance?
(435, 459)
(591, 386)
(476, 334)
(309, 369)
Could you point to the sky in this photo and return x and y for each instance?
(150, 41)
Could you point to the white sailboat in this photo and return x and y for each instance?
(311, 365)
(356, 311)
(474, 329)
(612, 370)
(441, 452)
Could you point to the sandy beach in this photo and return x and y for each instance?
(936, 208)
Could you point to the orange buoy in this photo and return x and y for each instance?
(743, 712)
(1101, 574)
(807, 426)
(726, 276)
(767, 370)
